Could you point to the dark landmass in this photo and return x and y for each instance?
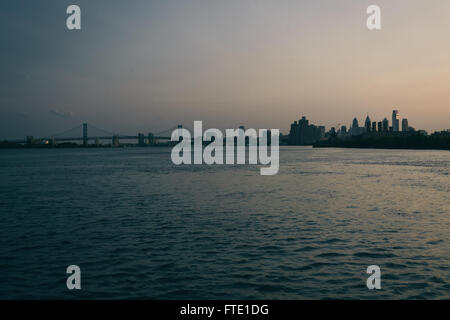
(416, 140)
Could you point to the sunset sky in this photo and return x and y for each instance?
(141, 66)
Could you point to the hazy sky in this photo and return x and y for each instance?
(140, 66)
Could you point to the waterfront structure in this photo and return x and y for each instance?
(151, 139)
(321, 131)
(355, 127)
(367, 124)
(395, 121)
(30, 140)
(85, 134)
(385, 125)
(141, 139)
(356, 130)
(115, 141)
(303, 133)
(405, 127)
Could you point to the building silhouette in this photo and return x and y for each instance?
(355, 127)
(395, 121)
(356, 130)
(405, 126)
(302, 133)
(385, 125)
(367, 124)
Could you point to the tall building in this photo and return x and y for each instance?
(385, 125)
(405, 126)
(355, 127)
(321, 131)
(302, 133)
(367, 124)
(395, 121)
(380, 126)
(374, 126)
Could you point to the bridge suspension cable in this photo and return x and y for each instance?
(77, 132)
(167, 131)
(101, 130)
(64, 132)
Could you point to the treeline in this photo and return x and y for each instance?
(438, 140)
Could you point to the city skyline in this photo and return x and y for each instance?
(254, 152)
(402, 125)
(152, 65)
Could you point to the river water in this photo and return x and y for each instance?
(140, 227)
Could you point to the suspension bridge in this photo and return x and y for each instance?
(86, 133)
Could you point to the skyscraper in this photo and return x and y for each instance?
(385, 125)
(302, 133)
(405, 125)
(367, 124)
(395, 121)
(355, 127)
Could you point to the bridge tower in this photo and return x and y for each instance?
(115, 141)
(85, 134)
(151, 139)
(141, 139)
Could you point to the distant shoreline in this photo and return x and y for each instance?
(46, 147)
(24, 147)
(413, 141)
(382, 148)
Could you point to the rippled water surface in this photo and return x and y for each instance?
(140, 227)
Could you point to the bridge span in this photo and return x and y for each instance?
(99, 135)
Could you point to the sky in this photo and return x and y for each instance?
(146, 66)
